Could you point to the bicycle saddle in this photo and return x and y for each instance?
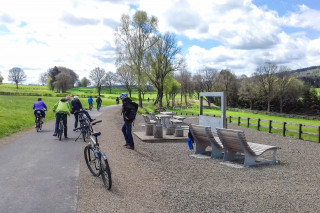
(96, 134)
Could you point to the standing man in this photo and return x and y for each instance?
(40, 106)
(99, 102)
(128, 117)
(76, 106)
(62, 108)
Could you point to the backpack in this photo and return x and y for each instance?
(133, 111)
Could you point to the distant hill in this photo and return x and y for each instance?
(308, 71)
(309, 75)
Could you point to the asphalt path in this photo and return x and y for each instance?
(39, 173)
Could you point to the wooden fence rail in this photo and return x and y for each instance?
(285, 127)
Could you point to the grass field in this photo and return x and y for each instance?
(16, 111)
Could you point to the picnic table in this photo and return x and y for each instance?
(163, 119)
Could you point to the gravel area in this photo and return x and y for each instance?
(163, 177)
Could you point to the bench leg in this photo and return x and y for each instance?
(216, 153)
(252, 160)
(200, 149)
(229, 156)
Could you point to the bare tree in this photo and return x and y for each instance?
(266, 75)
(110, 80)
(163, 59)
(43, 78)
(126, 77)
(134, 37)
(209, 78)
(16, 75)
(184, 78)
(1, 78)
(98, 78)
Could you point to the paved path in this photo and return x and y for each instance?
(39, 173)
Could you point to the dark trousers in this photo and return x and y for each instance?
(126, 130)
(43, 114)
(76, 117)
(64, 119)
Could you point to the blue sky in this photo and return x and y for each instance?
(238, 35)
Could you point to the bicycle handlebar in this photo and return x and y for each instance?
(94, 123)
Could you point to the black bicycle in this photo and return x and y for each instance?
(38, 120)
(86, 128)
(60, 128)
(97, 160)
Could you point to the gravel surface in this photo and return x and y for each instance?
(163, 177)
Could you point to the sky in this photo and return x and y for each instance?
(238, 35)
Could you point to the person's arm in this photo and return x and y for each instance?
(33, 107)
(55, 106)
(45, 106)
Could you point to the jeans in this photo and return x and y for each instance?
(126, 130)
(64, 119)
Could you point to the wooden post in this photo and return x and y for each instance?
(284, 129)
(300, 131)
(319, 134)
(230, 120)
(238, 121)
(248, 122)
(258, 124)
(270, 125)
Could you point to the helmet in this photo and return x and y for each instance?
(123, 95)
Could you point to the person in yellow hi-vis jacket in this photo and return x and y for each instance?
(62, 108)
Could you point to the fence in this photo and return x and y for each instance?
(301, 131)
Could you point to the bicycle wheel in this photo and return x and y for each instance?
(91, 161)
(37, 126)
(83, 132)
(105, 173)
(60, 130)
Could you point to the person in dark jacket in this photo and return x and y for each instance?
(76, 107)
(127, 126)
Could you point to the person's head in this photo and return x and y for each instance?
(76, 97)
(68, 97)
(123, 96)
(39, 99)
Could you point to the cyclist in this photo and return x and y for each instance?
(117, 100)
(62, 108)
(99, 102)
(76, 106)
(40, 106)
(90, 101)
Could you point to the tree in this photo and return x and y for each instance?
(85, 82)
(43, 78)
(134, 37)
(110, 79)
(127, 77)
(163, 59)
(184, 78)
(98, 78)
(248, 90)
(16, 75)
(228, 83)
(63, 82)
(266, 75)
(171, 88)
(52, 72)
(1, 78)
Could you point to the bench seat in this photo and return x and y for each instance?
(234, 141)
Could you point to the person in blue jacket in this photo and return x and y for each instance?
(90, 101)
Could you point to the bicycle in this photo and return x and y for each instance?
(85, 124)
(60, 128)
(96, 160)
(38, 120)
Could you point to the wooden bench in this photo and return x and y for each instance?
(234, 141)
(203, 137)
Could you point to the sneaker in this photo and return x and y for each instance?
(92, 120)
(66, 137)
(126, 144)
(54, 134)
